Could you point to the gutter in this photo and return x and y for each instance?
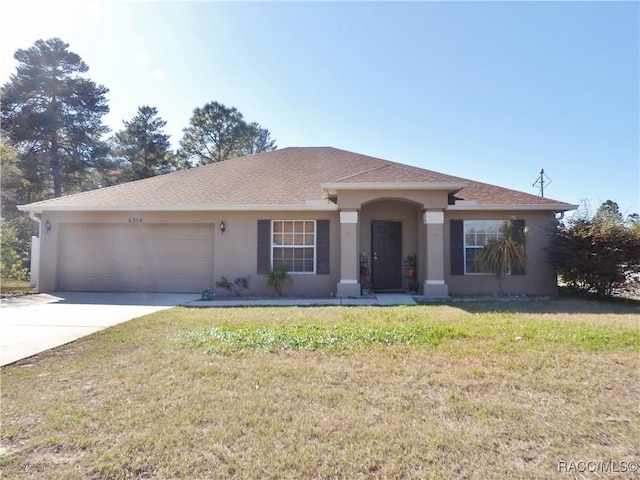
(311, 206)
(560, 207)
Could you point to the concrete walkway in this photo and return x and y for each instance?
(382, 299)
(32, 324)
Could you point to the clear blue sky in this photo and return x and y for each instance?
(492, 91)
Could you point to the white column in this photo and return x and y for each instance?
(349, 285)
(434, 284)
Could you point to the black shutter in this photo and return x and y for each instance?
(322, 247)
(456, 244)
(518, 236)
(264, 246)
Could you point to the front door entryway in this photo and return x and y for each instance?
(386, 255)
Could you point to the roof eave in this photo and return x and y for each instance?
(333, 187)
(554, 207)
(312, 206)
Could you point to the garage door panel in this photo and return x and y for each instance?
(175, 248)
(178, 268)
(112, 266)
(149, 258)
(138, 284)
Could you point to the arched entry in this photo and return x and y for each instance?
(419, 210)
(388, 234)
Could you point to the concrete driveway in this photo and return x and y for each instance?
(34, 323)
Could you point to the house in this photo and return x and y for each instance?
(337, 219)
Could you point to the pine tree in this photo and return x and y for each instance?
(217, 133)
(142, 149)
(53, 117)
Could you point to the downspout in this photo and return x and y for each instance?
(34, 271)
(38, 220)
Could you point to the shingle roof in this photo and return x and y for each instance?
(290, 176)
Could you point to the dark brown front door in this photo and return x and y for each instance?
(386, 253)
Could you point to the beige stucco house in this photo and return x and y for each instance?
(340, 221)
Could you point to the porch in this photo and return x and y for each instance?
(392, 241)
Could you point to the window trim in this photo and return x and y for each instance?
(477, 248)
(314, 246)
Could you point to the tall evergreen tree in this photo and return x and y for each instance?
(217, 133)
(258, 140)
(53, 117)
(141, 148)
(608, 215)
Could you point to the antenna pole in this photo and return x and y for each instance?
(540, 181)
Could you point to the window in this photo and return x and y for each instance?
(467, 237)
(477, 233)
(293, 243)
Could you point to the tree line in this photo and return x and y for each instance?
(53, 141)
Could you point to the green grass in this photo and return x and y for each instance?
(312, 337)
(472, 390)
(409, 328)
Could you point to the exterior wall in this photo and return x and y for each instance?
(304, 285)
(48, 260)
(235, 251)
(540, 277)
(354, 199)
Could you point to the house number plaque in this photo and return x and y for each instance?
(135, 219)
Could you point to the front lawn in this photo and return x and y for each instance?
(464, 390)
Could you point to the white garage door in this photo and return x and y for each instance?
(135, 257)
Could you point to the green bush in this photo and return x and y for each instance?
(12, 264)
(237, 286)
(597, 254)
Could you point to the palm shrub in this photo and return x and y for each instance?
(504, 254)
(278, 278)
